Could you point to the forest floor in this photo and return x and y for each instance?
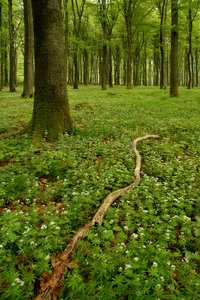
(148, 247)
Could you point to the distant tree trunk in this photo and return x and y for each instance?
(28, 50)
(129, 57)
(77, 19)
(144, 71)
(197, 67)
(136, 69)
(2, 73)
(156, 60)
(85, 67)
(150, 73)
(117, 62)
(12, 47)
(174, 49)
(125, 72)
(76, 70)
(110, 76)
(66, 19)
(1, 47)
(15, 68)
(128, 11)
(162, 8)
(5, 66)
(51, 117)
(104, 49)
(189, 54)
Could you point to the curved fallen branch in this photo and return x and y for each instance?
(51, 283)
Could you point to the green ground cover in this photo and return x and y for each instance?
(148, 247)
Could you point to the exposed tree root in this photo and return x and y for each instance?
(51, 283)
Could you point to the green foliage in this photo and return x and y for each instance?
(148, 246)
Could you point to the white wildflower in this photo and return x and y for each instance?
(127, 266)
(44, 226)
(173, 267)
(162, 278)
(155, 264)
(136, 258)
(135, 235)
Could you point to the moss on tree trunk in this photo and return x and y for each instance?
(51, 116)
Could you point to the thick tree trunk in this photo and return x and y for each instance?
(51, 116)
(174, 49)
(28, 51)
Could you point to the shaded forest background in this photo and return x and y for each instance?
(116, 42)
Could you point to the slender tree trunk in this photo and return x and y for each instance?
(129, 59)
(1, 47)
(197, 67)
(128, 10)
(2, 69)
(66, 18)
(124, 72)
(77, 19)
(150, 73)
(85, 67)
(156, 60)
(28, 53)
(110, 68)
(104, 49)
(174, 49)
(51, 117)
(163, 65)
(136, 70)
(117, 62)
(76, 72)
(144, 80)
(12, 47)
(189, 54)
(5, 71)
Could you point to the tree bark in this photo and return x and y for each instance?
(77, 20)
(197, 67)
(163, 65)
(104, 48)
(174, 49)
(51, 116)
(12, 47)
(1, 53)
(28, 51)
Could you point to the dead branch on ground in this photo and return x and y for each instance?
(50, 284)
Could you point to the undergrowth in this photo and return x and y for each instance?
(149, 244)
